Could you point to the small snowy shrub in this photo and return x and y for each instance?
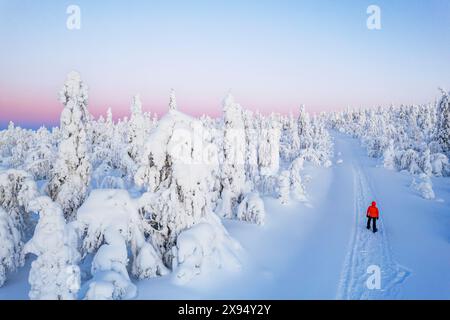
(251, 209)
(424, 187)
(148, 263)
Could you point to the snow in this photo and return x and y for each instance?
(55, 273)
(109, 270)
(204, 248)
(148, 264)
(105, 209)
(424, 187)
(70, 176)
(285, 258)
(10, 246)
(242, 206)
(251, 209)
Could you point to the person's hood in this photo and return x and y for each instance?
(374, 204)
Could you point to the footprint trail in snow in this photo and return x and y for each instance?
(368, 249)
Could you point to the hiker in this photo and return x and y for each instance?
(372, 214)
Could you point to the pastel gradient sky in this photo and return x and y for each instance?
(273, 55)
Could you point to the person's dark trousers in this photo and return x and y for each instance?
(374, 223)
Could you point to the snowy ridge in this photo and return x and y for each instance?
(366, 249)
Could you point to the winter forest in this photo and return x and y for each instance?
(98, 206)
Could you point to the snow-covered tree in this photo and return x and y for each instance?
(71, 173)
(40, 159)
(233, 167)
(173, 101)
(115, 211)
(251, 148)
(304, 128)
(389, 156)
(137, 129)
(424, 187)
(409, 161)
(8, 139)
(11, 256)
(251, 209)
(425, 163)
(443, 122)
(297, 185)
(440, 164)
(54, 275)
(284, 187)
(17, 190)
(290, 141)
(269, 147)
(177, 180)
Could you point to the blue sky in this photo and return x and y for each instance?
(273, 55)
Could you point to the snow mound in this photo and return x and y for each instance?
(339, 161)
(148, 264)
(203, 248)
(108, 208)
(109, 269)
(424, 187)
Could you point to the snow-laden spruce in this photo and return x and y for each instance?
(17, 190)
(177, 176)
(41, 156)
(11, 244)
(297, 186)
(137, 129)
(269, 148)
(114, 210)
(233, 180)
(55, 273)
(15, 143)
(70, 177)
(443, 122)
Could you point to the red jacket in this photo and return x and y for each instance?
(372, 211)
